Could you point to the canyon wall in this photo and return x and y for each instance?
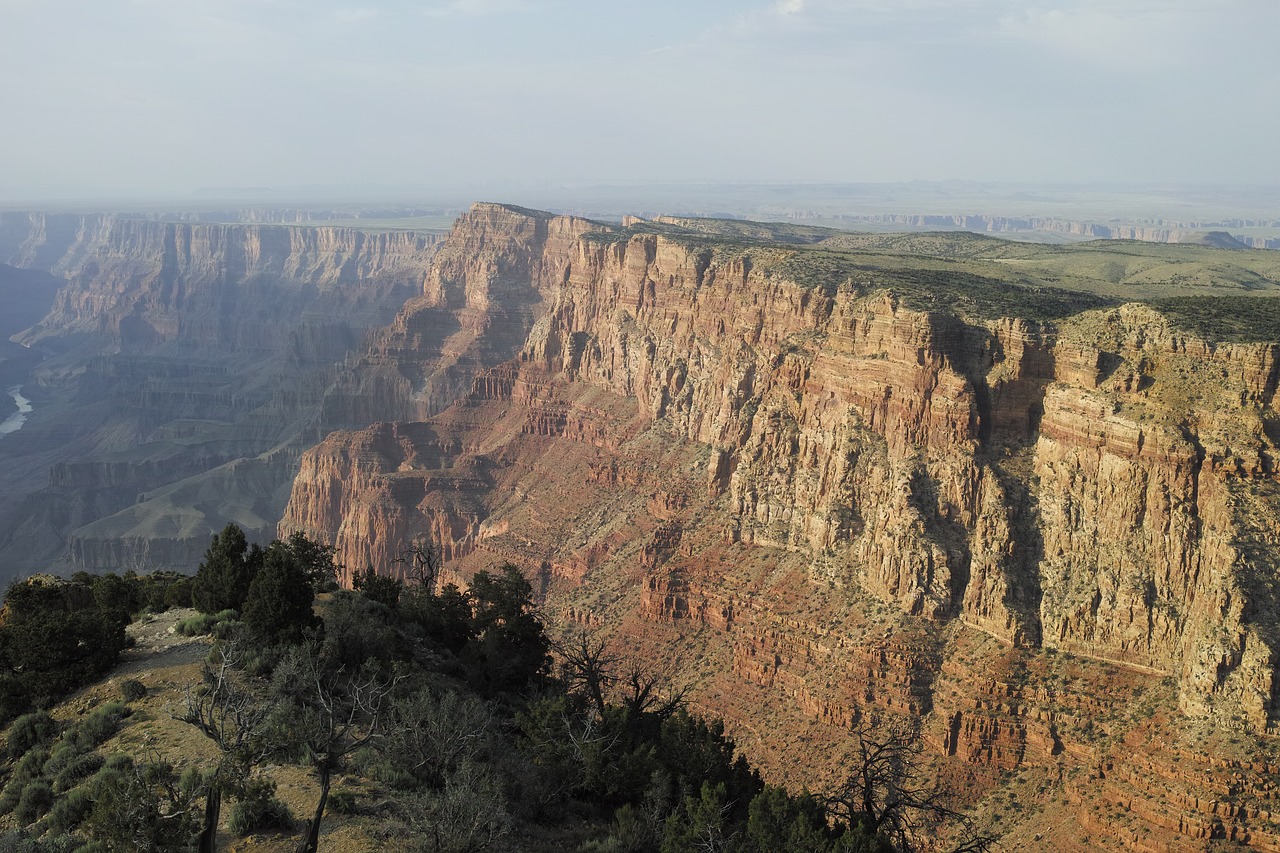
(171, 351)
(667, 432)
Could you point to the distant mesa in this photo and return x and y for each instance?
(233, 192)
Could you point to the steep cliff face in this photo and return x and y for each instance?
(484, 291)
(137, 285)
(666, 432)
(171, 351)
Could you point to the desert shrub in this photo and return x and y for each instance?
(177, 594)
(140, 807)
(384, 766)
(260, 816)
(358, 630)
(69, 812)
(131, 690)
(98, 726)
(79, 768)
(259, 810)
(36, 799)
(343, 801)
(207, 623)
(469, 813)
(17, 841)
(195, 626)
(67, 751)
(29, 730)
(25, 772)
(224, 629)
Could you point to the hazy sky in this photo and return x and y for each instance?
(149, 96)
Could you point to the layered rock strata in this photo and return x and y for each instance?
(680, 440)
(171, 351)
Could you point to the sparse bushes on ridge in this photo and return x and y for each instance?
(68, 812)
(207, 623)
(259, 810)
(36, 799)
(445, 702)
(28, 731)
(131, 690)
(76, 770)
(96, 728)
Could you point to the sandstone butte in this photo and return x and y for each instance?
(1053, 543)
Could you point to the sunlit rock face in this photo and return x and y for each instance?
(814, 504)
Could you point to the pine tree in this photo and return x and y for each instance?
(223, 579)
(278, 605)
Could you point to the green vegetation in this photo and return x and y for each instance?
(54, 637)
(1223, 318)
(222, 581)
(1220, 293)
(450, 709)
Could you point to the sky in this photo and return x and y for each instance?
(166, 97)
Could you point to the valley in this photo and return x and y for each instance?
(1024, 495)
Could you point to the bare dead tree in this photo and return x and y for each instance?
(587, 667)
(890, 793)
(334, 713)
(645, 692)
(231, 715)
(422, 562)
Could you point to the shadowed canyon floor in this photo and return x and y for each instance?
(1024, 494)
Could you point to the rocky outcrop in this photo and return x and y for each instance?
(138, 285)
(171, 351)
(479, 303)
(671, 434)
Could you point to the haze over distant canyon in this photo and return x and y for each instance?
(1025, 494)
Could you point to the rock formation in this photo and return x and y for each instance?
(815, 499)
(179, 371)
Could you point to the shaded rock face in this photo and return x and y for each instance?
(137, 285)
(485, 289)
(835, 491)
(180, 353)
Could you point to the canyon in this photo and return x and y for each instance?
(1025, 497)
(176, 371)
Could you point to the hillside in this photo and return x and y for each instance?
(400, 717)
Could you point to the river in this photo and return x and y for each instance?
(14, 422)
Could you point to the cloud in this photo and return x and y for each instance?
(476, 8)
(353, 14)
(1131, 36)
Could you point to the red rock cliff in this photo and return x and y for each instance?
(677, 433)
